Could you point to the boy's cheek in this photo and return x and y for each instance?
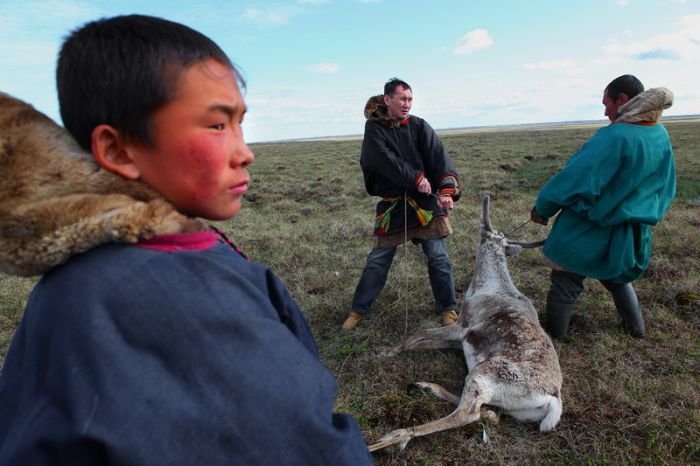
(203, 167)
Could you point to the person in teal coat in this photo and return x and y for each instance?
(608, 196)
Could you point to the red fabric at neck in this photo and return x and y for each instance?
(197, 241)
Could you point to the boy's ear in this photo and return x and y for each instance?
(112, 152)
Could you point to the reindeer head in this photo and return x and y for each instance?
(491, 269)
(499, 240)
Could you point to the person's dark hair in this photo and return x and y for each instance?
(393, 83)
(625, 84)
(120, 70)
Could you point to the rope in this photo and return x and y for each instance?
(518, 227)
(405, 262)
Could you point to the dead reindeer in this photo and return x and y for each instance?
(512, 363)
(55, 200)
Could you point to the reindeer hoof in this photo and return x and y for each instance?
(399, 437)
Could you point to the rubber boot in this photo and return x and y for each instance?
(627, 307)
(564, 291)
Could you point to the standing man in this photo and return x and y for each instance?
(404, 162)
(608, 196)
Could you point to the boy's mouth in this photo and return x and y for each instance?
(240, 188)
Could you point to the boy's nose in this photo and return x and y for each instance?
(243, 155)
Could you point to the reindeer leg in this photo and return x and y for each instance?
(468, 411)
(491, 413)
(439, 391)
(434, 338)
(488, 412)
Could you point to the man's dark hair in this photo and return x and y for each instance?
(393, 83)
(625, 84)
(120, 70)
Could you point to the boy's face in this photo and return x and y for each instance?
(199, 159)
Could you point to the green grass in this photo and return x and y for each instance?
(625, 401)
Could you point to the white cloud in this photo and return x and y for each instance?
(681, 44)
(622, 2)
(472, 41)
(324, 68)
(267, 16)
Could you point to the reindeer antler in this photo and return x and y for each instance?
(486, 222)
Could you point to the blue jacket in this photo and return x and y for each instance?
(134, 356)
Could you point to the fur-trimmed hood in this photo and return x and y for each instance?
(646, 106)
(55, 201)
(376, 110)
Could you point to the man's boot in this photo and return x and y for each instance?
(627, 307)
(564, 291)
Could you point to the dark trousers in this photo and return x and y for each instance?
(379, 262)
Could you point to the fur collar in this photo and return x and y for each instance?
(375, 110)
(55, 201)
(646, 107)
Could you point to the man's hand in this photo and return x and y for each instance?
(424, 186)
(537, 218)
(446, 202)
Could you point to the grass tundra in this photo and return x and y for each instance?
(626, 401)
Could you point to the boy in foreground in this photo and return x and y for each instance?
(175, 350)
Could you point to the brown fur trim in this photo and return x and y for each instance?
(55, 201)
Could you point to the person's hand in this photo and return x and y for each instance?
(446, 202)
(537, 218)
(424, 186)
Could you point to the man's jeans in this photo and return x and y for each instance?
(377, 269)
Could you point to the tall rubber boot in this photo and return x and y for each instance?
(627, 306)
(563, 292)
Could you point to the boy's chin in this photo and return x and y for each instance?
(225, 214)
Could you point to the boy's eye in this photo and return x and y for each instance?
(219, 126)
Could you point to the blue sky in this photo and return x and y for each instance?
(311, 64)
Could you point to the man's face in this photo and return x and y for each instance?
(399, 103)
(200, 159)
(612, 106)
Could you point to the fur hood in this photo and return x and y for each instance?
(55, 201)
(375, 110)
(646, 106)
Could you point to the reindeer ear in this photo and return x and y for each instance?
(513, 249)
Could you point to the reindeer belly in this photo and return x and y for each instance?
(511, 354)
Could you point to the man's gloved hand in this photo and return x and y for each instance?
(537, 218)
(424, 186)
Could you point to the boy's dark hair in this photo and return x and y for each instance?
(625, 84)
(120, 70)
(393, 83)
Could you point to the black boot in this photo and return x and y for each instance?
(566, 287)
(627, 307)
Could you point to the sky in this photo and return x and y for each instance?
(311, 65)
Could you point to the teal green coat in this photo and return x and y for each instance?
(610, 192)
